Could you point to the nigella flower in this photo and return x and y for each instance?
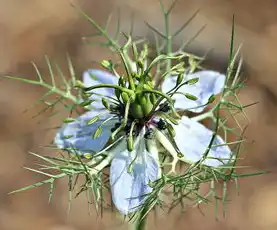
(135, 158)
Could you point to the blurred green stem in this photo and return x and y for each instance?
(140, 222)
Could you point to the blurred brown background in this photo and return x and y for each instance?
(32, 28)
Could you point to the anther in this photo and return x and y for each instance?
(164, 107)
(161, 124)
(116, 126)
(149, 134)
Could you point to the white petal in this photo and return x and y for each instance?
(94, 77)
(78, 135)
(129, 188)
(210, 83)
(193, 139)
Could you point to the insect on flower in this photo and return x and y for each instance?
(136, 117)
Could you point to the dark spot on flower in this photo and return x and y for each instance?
(161, 124)
(164, 107)
(149, 134)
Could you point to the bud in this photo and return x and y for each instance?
(87, 156)
(106, 64)
(135, 76)
(105, 103)
(121, 81)
(79, 84)
(140, 64)
(211, 99)
(130, 168)
(180, 78)
(192, 81)
(191, 97)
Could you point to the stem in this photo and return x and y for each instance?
(130, 79)
(140, 224)
(168, 40)
(203, 116)
(53, 89)
(109, 86)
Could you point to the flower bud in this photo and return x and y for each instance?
(180, 78)
(140, 64)
(105, 103)
(191, 97)
(106, 64)
(79, 84)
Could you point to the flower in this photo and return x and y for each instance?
(135, 159)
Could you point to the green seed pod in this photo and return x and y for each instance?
(148, 106)
(192, 81)
(180, 155)
(105, 103)
(153, 98)
(136, 110)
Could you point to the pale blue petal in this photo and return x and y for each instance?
(129, 188)
(95, 77)
(210, 83)
(193, 139)
(78, 135)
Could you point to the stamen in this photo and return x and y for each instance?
(161, 124)
(149, 134)
(164, 107)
